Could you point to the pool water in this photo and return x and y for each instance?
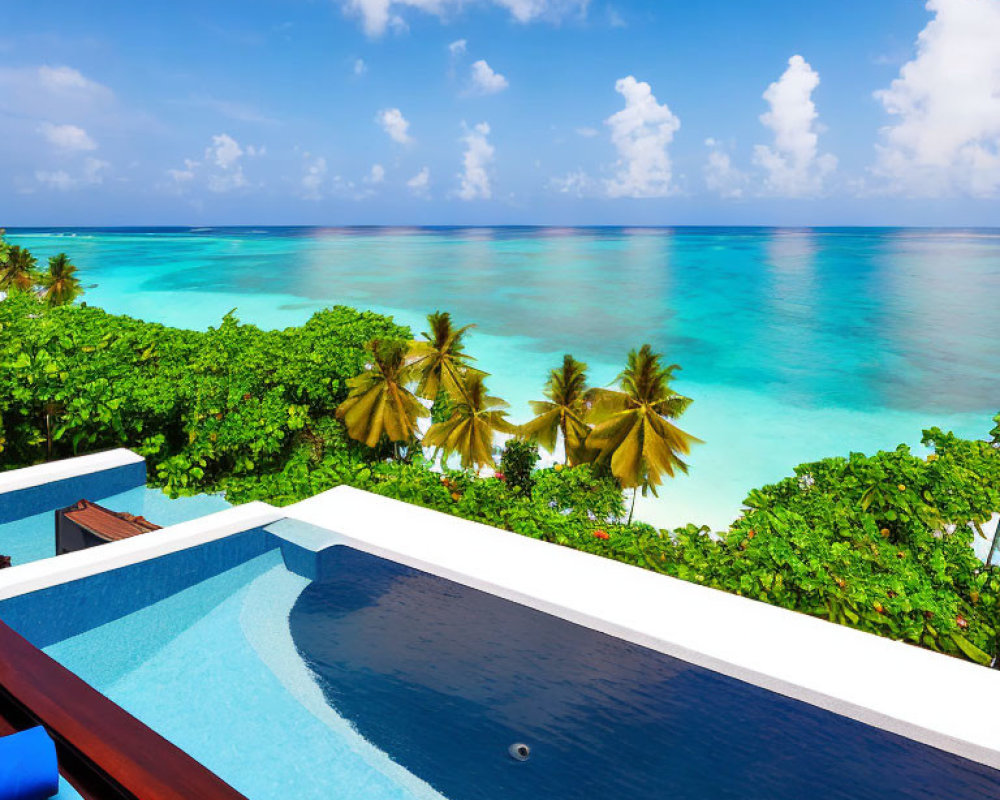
(33, 538)
(446, 678)
(380, 682)
(213, 669)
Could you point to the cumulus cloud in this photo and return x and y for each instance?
(642, 133)
(224, 151)
(945, 138)
(226, 155)
(312, 180)
(793, 165)
(420, 183)
(485, 80)
(71, 138)
(476, 160)
(378, 15)
(395, 124)
(721, 176)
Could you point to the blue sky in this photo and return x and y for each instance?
(500, 111)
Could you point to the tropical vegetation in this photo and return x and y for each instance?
(879, 542)
(19, 273)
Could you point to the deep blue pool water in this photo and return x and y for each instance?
(445, 678)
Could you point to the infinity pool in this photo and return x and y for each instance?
(33, 538)
(378, 681)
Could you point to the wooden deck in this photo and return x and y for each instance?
(104, 751)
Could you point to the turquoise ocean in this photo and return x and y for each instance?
(794, 343)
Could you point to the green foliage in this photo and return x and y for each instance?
(516, 464)
(201, 406)
(882, 543)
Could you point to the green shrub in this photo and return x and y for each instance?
(517, 463)
(882, 543)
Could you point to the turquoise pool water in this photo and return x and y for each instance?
(379, 682)
(795, 344)
(214, 670)
(33, 538)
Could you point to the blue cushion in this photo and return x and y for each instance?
(28, 766)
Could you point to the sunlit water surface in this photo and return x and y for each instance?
(795, 344)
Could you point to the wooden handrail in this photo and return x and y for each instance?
(103, 750)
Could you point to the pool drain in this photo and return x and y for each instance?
(519, 751)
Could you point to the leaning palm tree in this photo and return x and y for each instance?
(60, 285)
(379, 404)
(473, 423)
(18, 270)
(563, 412)
(439, 361)
(633, 428)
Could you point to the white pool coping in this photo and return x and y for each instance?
(941, 701)
(47, 572)
(28, 477)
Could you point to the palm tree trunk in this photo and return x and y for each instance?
(631, 511)
(993, 546)
(48, 435)
(562, 429)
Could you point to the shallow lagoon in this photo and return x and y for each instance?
(795, 344)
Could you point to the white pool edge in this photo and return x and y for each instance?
(16, 480)
(47, 572)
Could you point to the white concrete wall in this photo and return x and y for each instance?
(37, 575)
(17, 479)
(942, 701)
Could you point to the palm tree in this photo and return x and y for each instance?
(564, 411)
(60, 285)
(439, 362)
(18, 271)
(470, 429)
(379, 402)
(633, 428)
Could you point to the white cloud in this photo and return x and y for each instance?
(485, 80)
(312, 180)
(458, 48)
(577, 183)
(224, 151)
(378, 15)
(420, 183)
(946, 105)
(641, 132)
(92, 173)
(395, 124)
(587, 132)
(475, 178)
(377, 174)
(360, 67)
(226, 154)
(67, 137)
(721, 176)
(69, 80)
(793, 164)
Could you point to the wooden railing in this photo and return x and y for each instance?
(104, 751)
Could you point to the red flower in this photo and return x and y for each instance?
(962, 621)
(602, 535)
(499, 476)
